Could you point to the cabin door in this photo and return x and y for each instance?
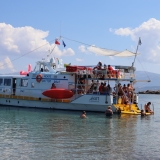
(14, 86)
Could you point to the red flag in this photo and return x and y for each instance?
(57, 42)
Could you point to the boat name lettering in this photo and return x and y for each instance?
(94, 99)
(47, 76)
(56, 81)
(21, 90)
(46, 80)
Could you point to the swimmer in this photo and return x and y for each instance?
(143, 113)
(109, 111)
(83, 115)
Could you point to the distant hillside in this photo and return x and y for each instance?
(143, 86)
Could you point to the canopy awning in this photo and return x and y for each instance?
(106, 52)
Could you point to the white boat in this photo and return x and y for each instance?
(33, 89)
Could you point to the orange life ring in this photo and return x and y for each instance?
(39, 78)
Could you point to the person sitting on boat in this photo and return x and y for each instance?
(83, 115)
(143, 113)
(147, 108)
(109, 112)
(96, 68)
(125, 100)
(53, 86)
(110, 71)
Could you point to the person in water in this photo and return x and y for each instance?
(83, 115)
(147, 108)
(53, 86)
(109, 111)
(143, 113)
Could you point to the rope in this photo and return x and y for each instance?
(86, 44)
(144, 70)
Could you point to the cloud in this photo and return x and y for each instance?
(1, 65)
(82, 48)
(85, 49)
(79, 60)
(149, 32)
(7, 64)
(68, 52)
(18, 41)
(27, 40)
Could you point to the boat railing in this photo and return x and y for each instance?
(104, 74)
(119, 72)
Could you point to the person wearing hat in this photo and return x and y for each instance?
(83, 115)
(109, 111)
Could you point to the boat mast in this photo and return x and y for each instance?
(139, 43)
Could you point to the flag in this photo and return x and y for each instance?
(63, 43)
(139, 42)
(57, 42)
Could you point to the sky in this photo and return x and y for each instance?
(28, 30)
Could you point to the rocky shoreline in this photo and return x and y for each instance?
(149, 92)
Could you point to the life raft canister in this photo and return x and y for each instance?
(39, 78)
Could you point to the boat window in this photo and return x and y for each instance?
(32, 85)
(42, 68)
(54, 66)
(36, 68)
(24, 82)
(1, 81)
(7, 82)
(46, 69)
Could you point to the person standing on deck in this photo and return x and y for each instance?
(101, 88)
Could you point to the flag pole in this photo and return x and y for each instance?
(139, 43)
(54, 46)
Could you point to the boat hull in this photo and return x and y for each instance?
(54, 105)
(95, 103)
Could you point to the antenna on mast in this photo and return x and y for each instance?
(139, 43)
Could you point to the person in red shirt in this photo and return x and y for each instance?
(110, 71)
(101, 88)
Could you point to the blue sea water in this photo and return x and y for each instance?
(29, 134)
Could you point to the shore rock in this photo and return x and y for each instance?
(149, 92)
